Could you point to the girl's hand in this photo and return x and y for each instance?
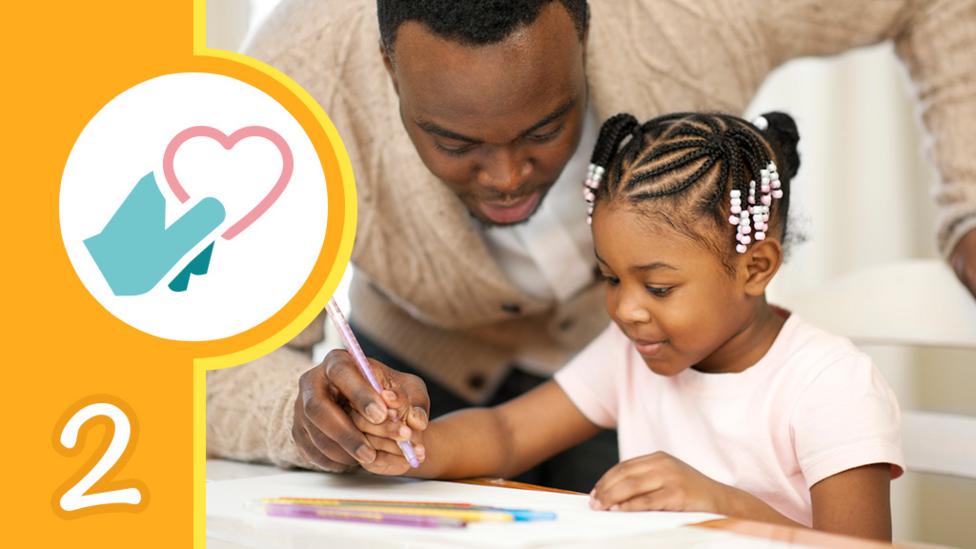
(407, 425)
(657, 482)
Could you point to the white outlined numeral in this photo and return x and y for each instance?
(77, 497)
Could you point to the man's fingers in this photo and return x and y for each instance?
(388, 429)
(335, 426)
(335, 463)
(388, 464)
(336, 452)
(414, 391)
(389, 459)
(342, 372)
(417, 418)
(405, 396)
(313, 454)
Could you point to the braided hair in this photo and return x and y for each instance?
(687, 165)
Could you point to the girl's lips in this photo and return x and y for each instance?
(649, 348)
(511, 212)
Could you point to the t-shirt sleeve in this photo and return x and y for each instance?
(591, 378)
(847, 417)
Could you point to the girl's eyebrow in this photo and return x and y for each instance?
(653, 266)
(642, 268)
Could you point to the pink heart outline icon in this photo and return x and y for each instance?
(228, 142)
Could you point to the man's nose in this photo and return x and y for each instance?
(505, 170)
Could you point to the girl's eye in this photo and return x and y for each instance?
(659, 291)
(547, 136)
(610, 280)
(454, 151)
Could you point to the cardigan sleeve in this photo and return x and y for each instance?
(936, 41)
(250, 407)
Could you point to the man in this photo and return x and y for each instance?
(469, 133)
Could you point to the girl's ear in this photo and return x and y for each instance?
(761, 261)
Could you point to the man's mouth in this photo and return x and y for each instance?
(507, 212)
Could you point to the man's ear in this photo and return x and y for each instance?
(586, 37)
(390, 69)
(760, 263)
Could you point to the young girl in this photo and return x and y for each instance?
(723, 402)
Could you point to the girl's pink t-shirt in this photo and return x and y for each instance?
(812, 407)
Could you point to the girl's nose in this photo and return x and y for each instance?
(632, 311)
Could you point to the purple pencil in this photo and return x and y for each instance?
(345, 332)
(373, 517)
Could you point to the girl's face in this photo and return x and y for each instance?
(669, 294)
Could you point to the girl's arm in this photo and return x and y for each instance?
(502, 441)
(854, 503)
(505, 440)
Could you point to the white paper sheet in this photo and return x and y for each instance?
(230, 520)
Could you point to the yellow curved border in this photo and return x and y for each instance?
(317, 304)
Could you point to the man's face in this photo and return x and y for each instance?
(497, 123)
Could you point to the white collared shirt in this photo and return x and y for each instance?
(550, 256)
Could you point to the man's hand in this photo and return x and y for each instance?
(963, 261)
(331, 394)
(657, 482)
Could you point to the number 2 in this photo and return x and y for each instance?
(77, 497)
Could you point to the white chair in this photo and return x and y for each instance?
(908, 303)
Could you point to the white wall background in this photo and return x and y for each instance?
(862, 197)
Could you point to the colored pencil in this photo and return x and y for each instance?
(362, 516)
(466, 511)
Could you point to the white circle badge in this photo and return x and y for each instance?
(193, 206)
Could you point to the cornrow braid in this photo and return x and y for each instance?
(692, 162)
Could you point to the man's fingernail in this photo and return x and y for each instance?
(614, 507)
(404, 431)
(421, 415)
(365, 454)
(389, 395)
(375, 413)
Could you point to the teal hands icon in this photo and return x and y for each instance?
(135, 250)
(199, 266)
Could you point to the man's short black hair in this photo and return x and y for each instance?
(470, 22)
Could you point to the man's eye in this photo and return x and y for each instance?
(610, 280)
(659, 291)
(546, 136)
(457, 150)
